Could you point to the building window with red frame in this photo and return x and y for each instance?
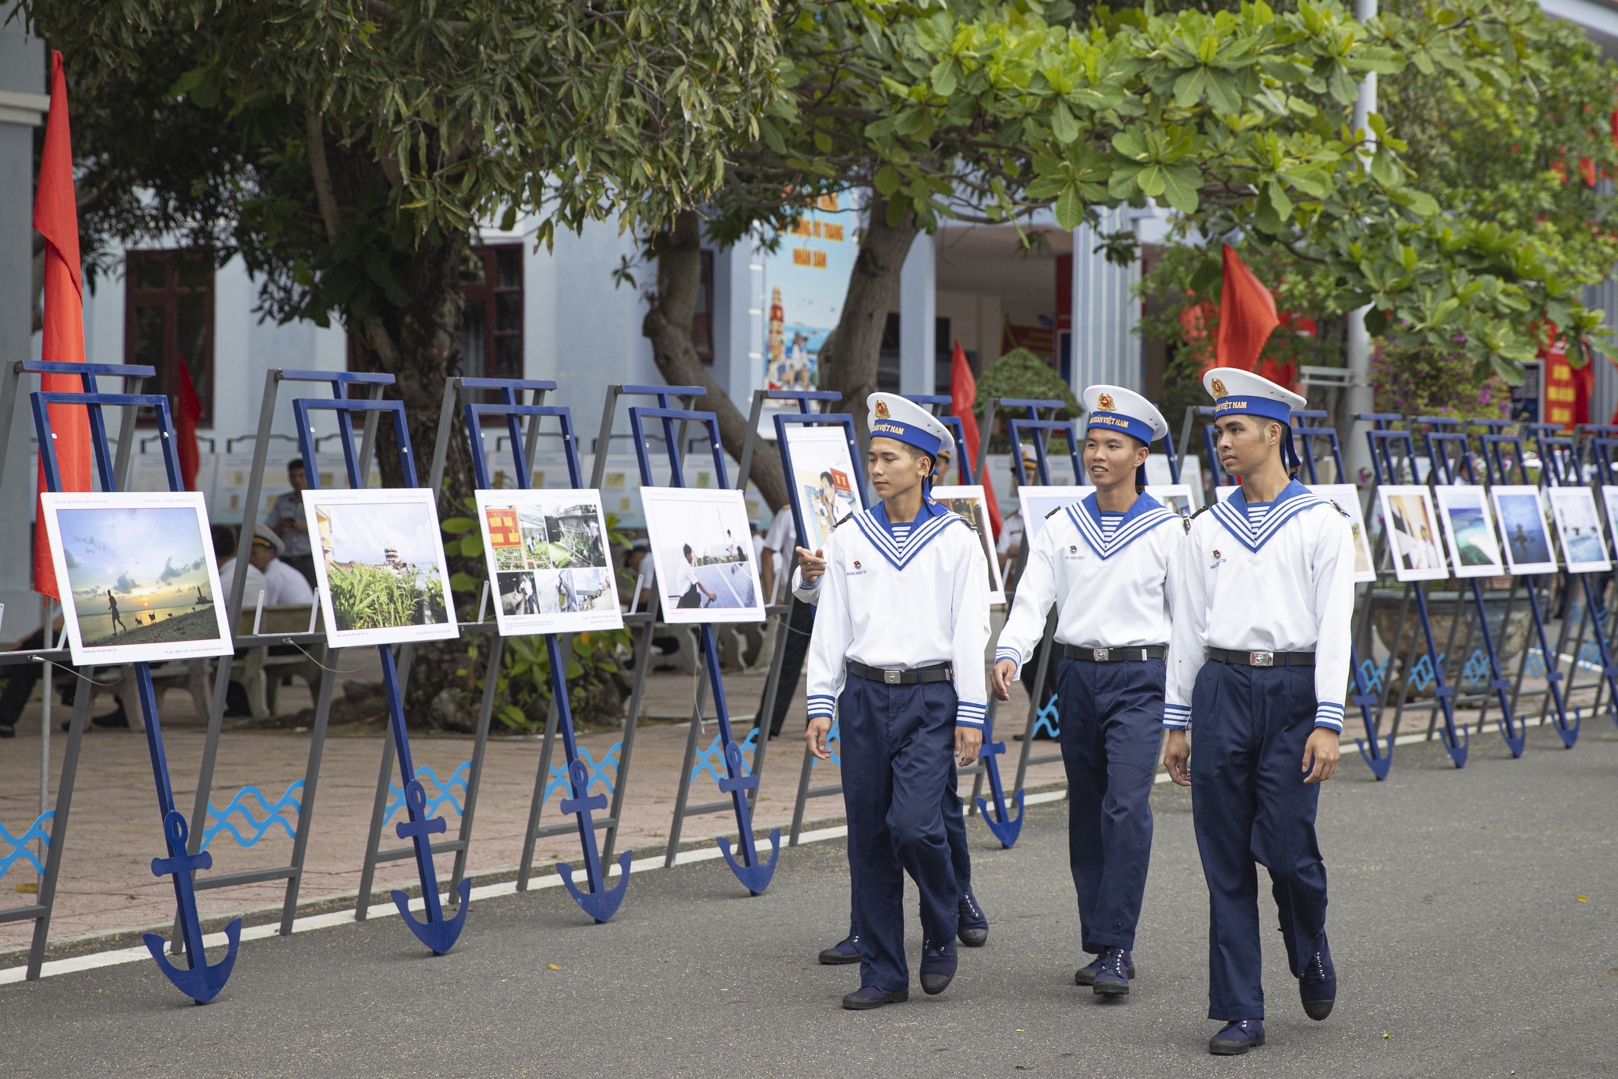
(491, 315)
(168, 320)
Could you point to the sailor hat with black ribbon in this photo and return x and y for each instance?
(891, 416)
(1113, 408)
(1242, 393)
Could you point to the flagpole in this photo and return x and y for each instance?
(1359, 397)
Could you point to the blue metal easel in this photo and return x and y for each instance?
(600, 902)
(200, 981)
(755, 875)
(438, 933)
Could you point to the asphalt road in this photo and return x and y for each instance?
(1461, 944)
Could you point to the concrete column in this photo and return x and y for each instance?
(1105, 311)
(1359, 396)
(739, 320)
(918, 308)
(22, 106)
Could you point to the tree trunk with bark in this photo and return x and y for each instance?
(668, 326)
(848, 359)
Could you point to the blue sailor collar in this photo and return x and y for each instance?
(876, 527)
(1293, 500)
(1146, 514)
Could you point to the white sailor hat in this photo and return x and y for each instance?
(1242, 393)
(1113, 408)
(891, 416)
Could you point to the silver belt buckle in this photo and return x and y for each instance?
(892, 678)
(1101, 654)
(1262, 659)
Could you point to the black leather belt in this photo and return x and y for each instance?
(938, 672)
(1137, 653)
(1262, 659)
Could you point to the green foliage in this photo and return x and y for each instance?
(1021, 374)
(374, 597)
(1427, 383)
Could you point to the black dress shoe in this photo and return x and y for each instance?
(972, 925)
(1318, 986)
(844, 951)
(115, 720)
(7, 730)
(867, 997)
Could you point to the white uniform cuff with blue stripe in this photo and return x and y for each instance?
(1329, 715)
(822, 705)
(970, 715)
(1177, 717)
(1011, 654)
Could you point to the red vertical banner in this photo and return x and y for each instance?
(56, 218)
(1563, 404)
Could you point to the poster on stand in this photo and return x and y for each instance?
(971, 504)
(380, 566)
(822, 480)
(547, 554)
(703, 549)
(1412, 529)
(1347, 499)
(1469, 532)
(1036, 504)
(806, 280)
(139, 567)
(1609, 499)
(1527, 541)
(1578, 529)
(1176, 497)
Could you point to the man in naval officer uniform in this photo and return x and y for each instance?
(897, 653)
(1106, 563)
(973, 925)
(1258, 665)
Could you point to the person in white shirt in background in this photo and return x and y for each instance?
(285, 584)
(897, 653)
(1262, 601)
(224, 549)
(1106, 564)
(800, 622)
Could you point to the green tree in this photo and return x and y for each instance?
(347, 149)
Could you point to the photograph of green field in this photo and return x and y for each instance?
(383, 565)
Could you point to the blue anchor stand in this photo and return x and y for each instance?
(600, 902)
(437, 933)
(1376, 758)
(753, 874)
(200, 981)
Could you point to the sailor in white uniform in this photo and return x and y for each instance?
(1105, 562)
(1258, 665)
(897, 653)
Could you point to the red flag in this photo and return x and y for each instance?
(963, 396)
(185, 428)
(56, 217)
(1246, 315)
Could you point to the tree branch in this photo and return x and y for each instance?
(321, 173)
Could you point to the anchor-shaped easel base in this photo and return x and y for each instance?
(1456, 741)
(1569, 733)
(1006, 829)
(200, 982)
(753, 874)
(600, 902)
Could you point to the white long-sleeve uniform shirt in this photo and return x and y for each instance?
(1265, 579)
(1111, 589)
(901, 604)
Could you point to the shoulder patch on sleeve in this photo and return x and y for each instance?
(1200, 512)
(1338, 508)
(844, 521)
(1054, 512)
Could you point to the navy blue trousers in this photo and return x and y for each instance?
(954, 833)
(1251, 807)
(1112, 729)
(898, 745)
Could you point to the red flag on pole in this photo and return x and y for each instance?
(185, 428)
(1246, 315)
(56, 217)
(963, 396)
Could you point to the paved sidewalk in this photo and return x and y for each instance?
(1462, 943)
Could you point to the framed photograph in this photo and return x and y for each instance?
(1412, 527)
(971, 504)
(1469, 531)
(1176, 497)
(1225, 490)
(140, 569)
(703, 549)
(821, 478)
(1578, 529)
(1527, 542)
(1609, 499)
(380, 566)
(547, 554)
(1038, 502)
(1347, 498)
